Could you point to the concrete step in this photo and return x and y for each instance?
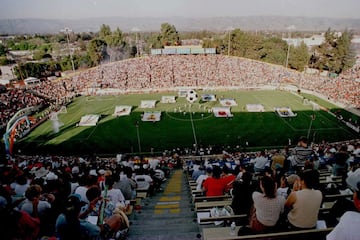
(166, 215)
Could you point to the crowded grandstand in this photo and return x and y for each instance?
(51, 182)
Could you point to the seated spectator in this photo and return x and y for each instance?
(214, 185)
(340, 166)
(20, 185)
(144, 182)
(16, 224)
(70, 226)
(112, 213)
(228, 178)
(198, 170)
(260, 162)
(277, 160)
(126, 184)
(85, 182)
(242, 194)
(347, 228)
(287, 185)
(114, 195)
(343, 205)
(33, 194)
(201, 178)
(305, 203)
(267, 206)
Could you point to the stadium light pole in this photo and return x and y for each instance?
(67, 31)
(138, 135)
(312, 118)
(136, 31)
(289, 28)
(193, 128)
(229, 29)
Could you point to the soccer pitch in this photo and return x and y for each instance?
(183, 125)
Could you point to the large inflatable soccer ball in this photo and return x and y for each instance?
(191, 96)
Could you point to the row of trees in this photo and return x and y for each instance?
(334, 55)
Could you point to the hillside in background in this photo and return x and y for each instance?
(270, 23)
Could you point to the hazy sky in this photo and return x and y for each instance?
(73, 9)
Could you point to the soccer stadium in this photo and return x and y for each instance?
(173, 116)
(106, 107)
(243, 125)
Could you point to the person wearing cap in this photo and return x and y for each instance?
(288, 184)
(348, 226)
(68, 224)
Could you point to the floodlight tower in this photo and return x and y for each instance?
(67, 31)
(229, 29)
(136, 30)
(289, 28)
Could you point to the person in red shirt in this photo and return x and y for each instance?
(228, 178)
(214, 185)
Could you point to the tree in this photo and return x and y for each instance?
(345, 52)
(335, 54)
(116, 45)
(299, 57)
(115, 39)
(169, 35)
(84, 61)
(274, 51)
(96, 51)
(105, 31)
(2, 50)
(155, 41)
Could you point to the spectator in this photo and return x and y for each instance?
(33, 194)
(126, 184)
(228, 178)
(277, 160)
(70, 226)
(287, 185)
(260, 162)
(348, 226)
(300, 153)
(242, 194)
(305, 203)
(198, 170)
(340, 165)
(114, 195)
(200, 180)
(214, 185)
(267, 206)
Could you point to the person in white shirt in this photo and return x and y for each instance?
(348, 226)
(202, 177)
(260, 162)
(113, 194)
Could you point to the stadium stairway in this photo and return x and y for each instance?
(166, 215)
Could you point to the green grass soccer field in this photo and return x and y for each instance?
(183, 125)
